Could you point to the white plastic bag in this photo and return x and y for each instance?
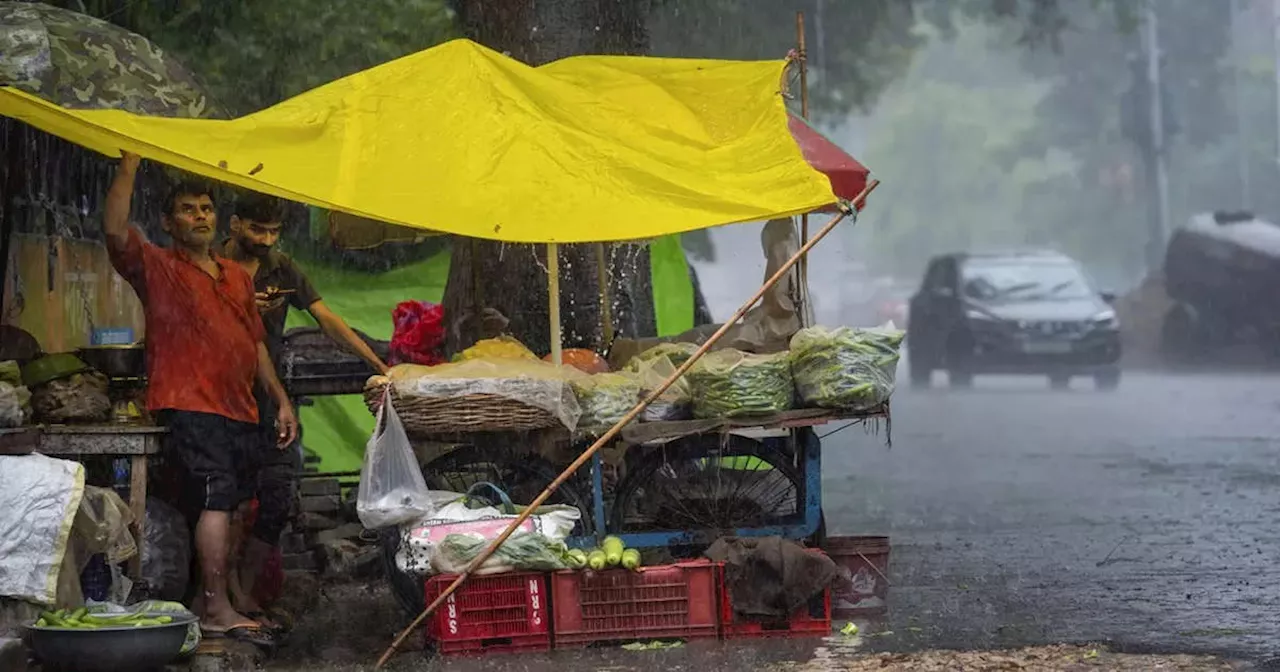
(419, 553)
(392, 490)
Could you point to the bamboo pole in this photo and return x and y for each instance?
(803, 268)
(606, 308)
(553, 301)
(617, 427)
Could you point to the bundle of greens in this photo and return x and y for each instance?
(528, 551)
(673, 403)
(732, 383)
(678, 353)
(605, 397)
(845, 368)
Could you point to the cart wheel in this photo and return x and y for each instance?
(711, 483)
(519, 474)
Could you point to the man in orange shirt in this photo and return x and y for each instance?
(204, 352)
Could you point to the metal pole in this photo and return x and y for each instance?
(1160, 176)
(802, 271)
(553, 300)
(1242, 147)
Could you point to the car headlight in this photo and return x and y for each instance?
(1106, 319)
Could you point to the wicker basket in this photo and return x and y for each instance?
(467, 413)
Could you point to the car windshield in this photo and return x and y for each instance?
(1023, 280)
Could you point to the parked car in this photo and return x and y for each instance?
(1221, 272)
(1019, 312)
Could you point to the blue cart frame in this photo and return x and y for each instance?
(808, 447)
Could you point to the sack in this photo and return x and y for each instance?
(422, 551)
(392, 489)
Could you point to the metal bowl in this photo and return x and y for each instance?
(116, 361)
(109, 649)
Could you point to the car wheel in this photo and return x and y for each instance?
(959, 369)
(1060, 382)
(1107, 380)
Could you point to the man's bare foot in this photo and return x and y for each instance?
(224, 620)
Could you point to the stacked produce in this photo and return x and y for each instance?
(845, 368)
(674, 402)
(529, 551)
(678, 353)
(81, 619)
(732, 383)
(502, 347)
(612, 553)
(605, 397)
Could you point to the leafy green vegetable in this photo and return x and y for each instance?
(678, 353)
(845, 368)
(529, 551)
(605, 398)
(731, 383)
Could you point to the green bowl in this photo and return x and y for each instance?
(52, 367)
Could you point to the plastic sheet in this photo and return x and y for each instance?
(675, 402)
(732, 383)
(166, 551)
(845, 368)
(606, 397)
(529, 381)
(39, 499)
(392, 489)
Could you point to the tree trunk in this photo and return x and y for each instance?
(512, 278)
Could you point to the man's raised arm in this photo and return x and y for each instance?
(115, 223)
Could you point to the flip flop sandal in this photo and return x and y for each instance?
(276, 630)
(250, 634)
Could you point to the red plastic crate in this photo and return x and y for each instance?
(812, 620)
(617, 605)
(501, 613)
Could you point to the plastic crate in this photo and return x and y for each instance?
(617, 605)
(812, 620)
(502, 613)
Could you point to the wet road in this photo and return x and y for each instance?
(1147, 517)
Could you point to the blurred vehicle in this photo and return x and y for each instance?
(1019, 312)
(1221, 272)
(892, 305)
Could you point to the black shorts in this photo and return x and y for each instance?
(276, 478)
(217, 458)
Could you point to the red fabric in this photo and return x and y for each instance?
(270, 584)
(419, 333)
(848, 177)
(202, 334)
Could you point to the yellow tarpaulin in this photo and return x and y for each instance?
(462, 139)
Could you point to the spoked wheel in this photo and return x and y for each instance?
(521, 475)
(708, 483)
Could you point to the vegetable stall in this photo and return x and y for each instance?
(559, 146)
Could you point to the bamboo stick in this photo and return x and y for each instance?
(606, 307)
(617, 427)
(553, 301)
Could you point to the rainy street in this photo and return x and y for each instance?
(1142, 519)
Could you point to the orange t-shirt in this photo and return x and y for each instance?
(202, 332)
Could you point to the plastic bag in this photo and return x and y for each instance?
(676, 353)
(605, 398)
(675, 402)
(166, 551)
(392, 489)
(845, 368)
(732, 383)
(421, 541)
(419, 333)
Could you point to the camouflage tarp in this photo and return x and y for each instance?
(79, 61)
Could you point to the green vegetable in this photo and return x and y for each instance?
(529, 551)
(731, 383)
(678, 353)
(613, 548)
(577, 558)
(605, 398)
(631, 558)
(844, 368)
(596, 560)
(42, 623)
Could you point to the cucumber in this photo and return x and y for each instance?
(613, 548)
(596, 559)
(577, 558)
(631, 558)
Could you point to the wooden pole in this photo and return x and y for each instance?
(617, 427)
(553, 299)
(606, 308)
(803, 268)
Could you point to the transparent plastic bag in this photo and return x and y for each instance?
(605, 398)
(674, 402)
(732, 383)
(845, 368)
(392, 489)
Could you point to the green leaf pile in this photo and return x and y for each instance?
(731, 383)
(844, 368)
